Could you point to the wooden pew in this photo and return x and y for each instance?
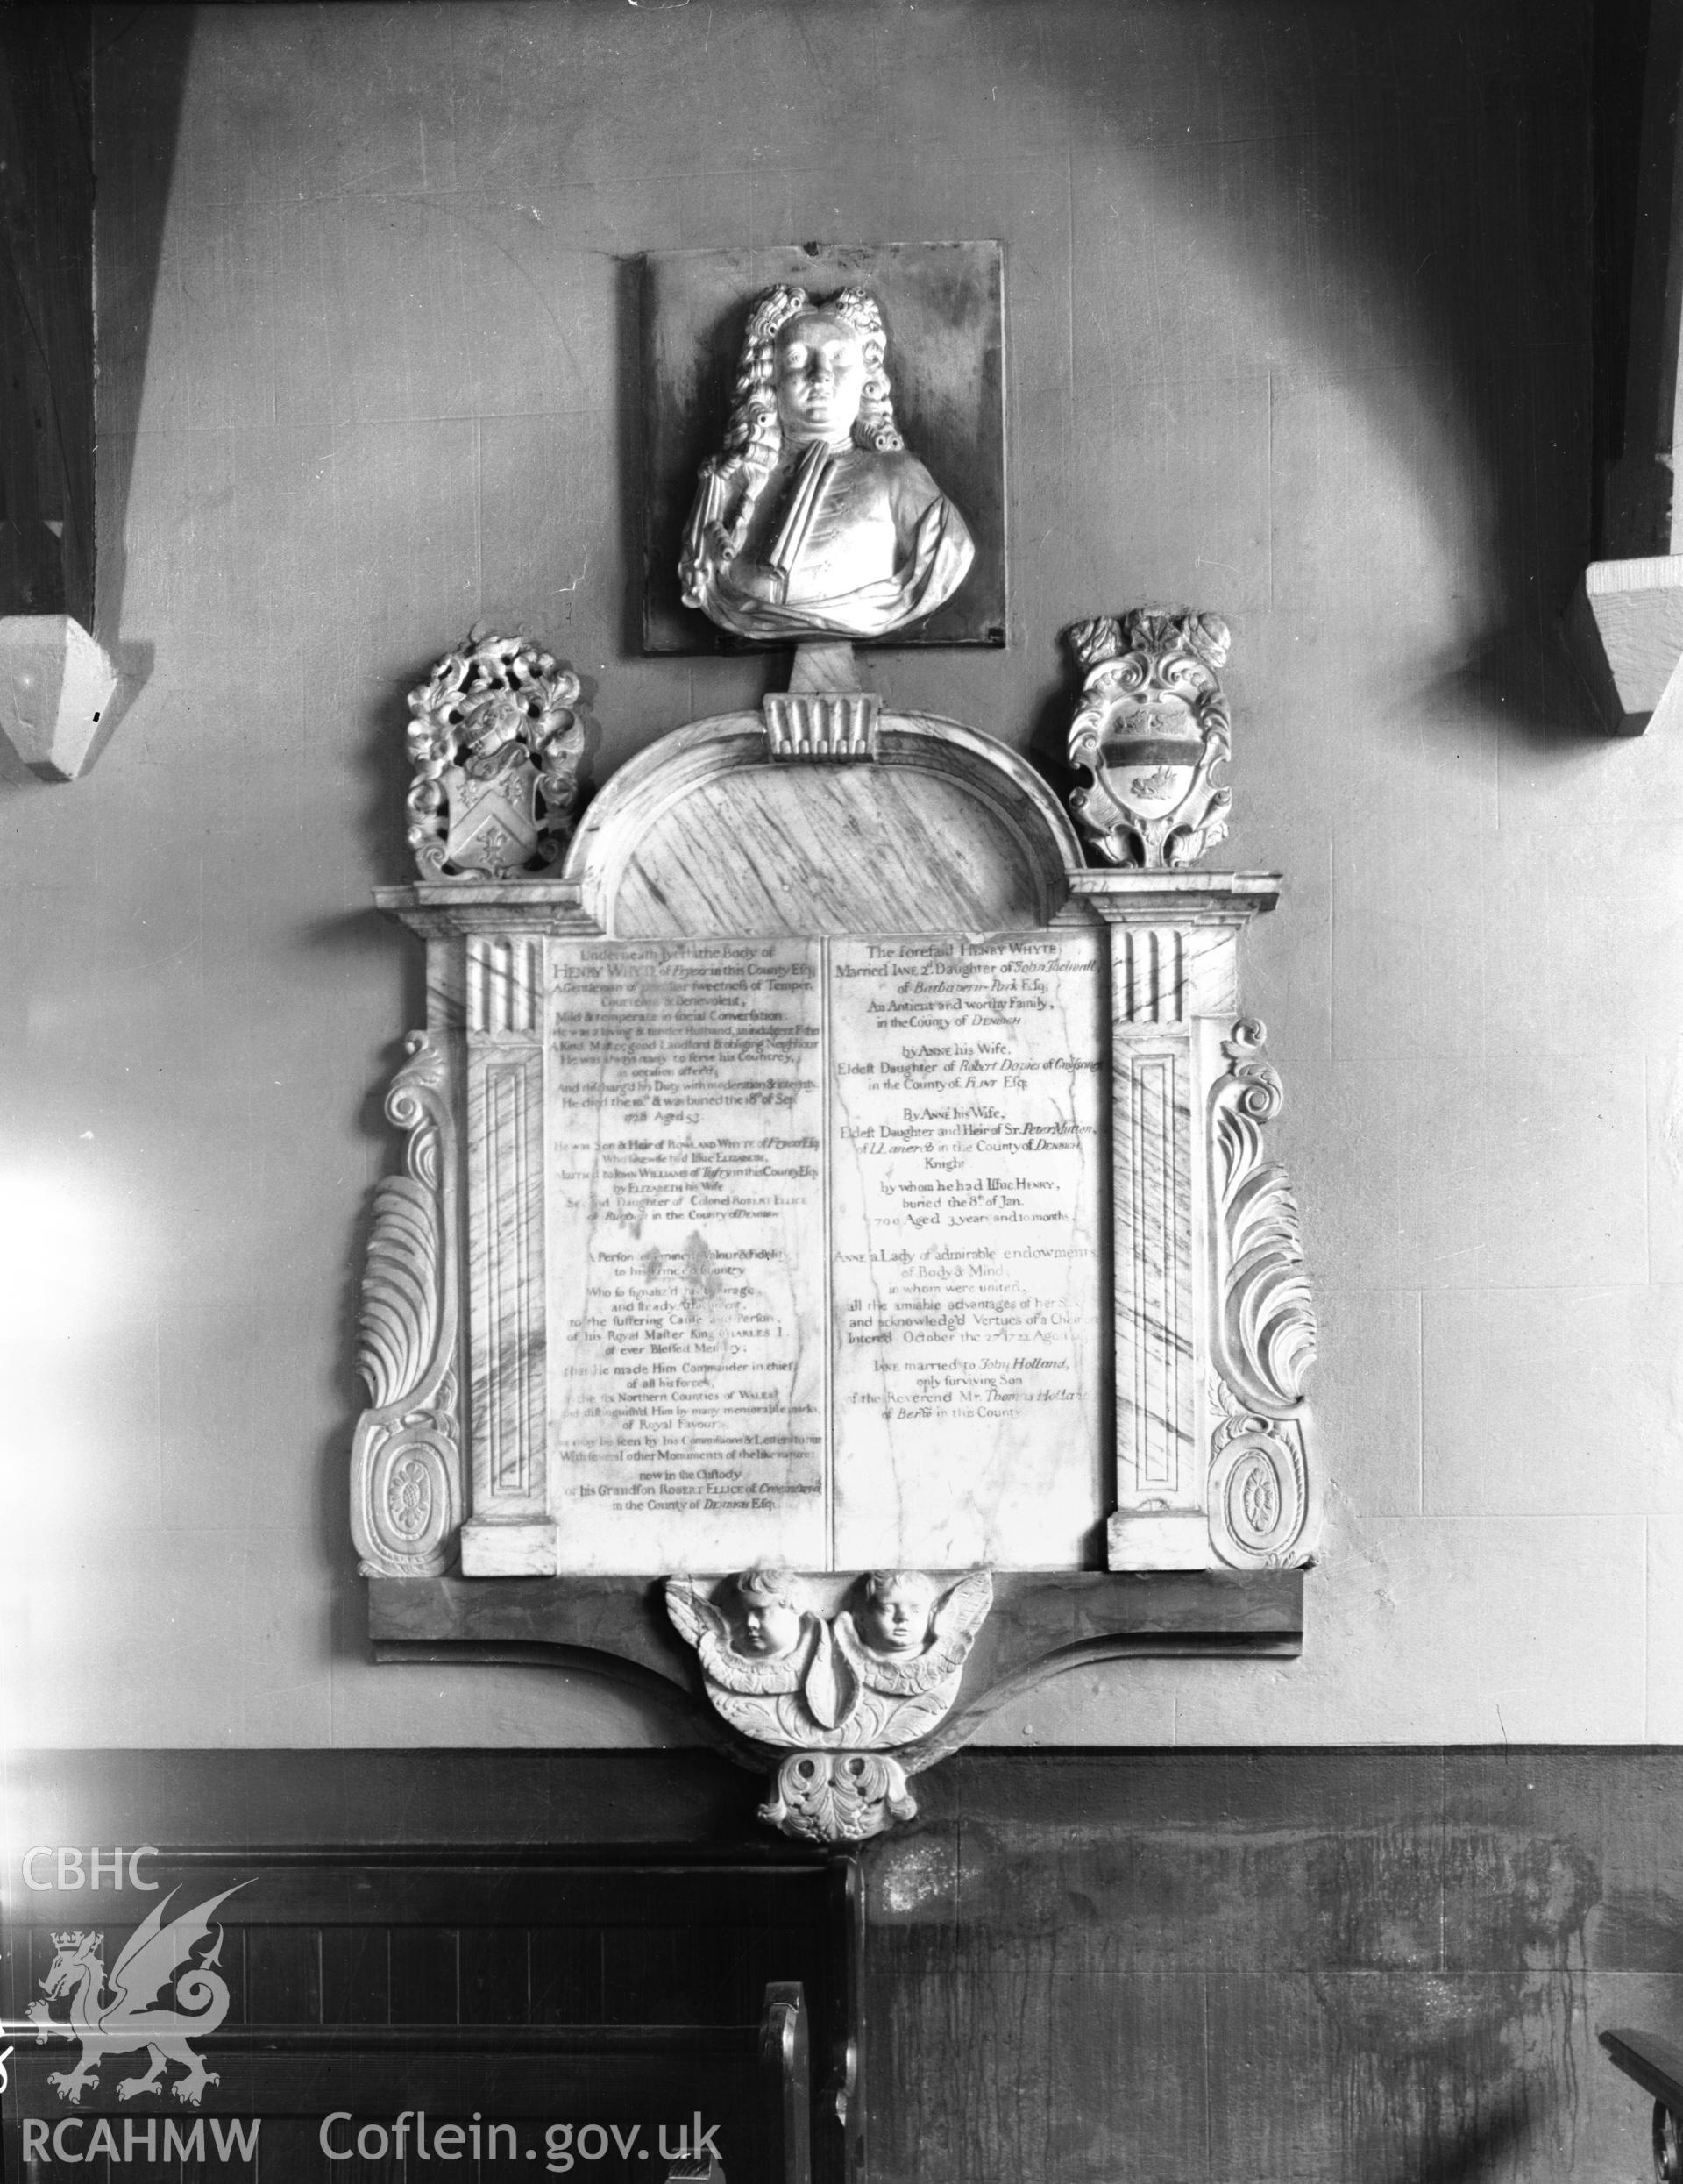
(1658, 2069)
(548, 1987)
(697, 2104)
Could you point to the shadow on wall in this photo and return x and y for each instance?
(1393, 207)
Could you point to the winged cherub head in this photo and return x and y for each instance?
(895, 1618)
(774, 1606)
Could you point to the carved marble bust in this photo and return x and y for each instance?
(815, 519)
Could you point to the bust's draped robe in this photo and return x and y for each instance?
(846, 542)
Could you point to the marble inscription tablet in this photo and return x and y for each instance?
(686, 1194)
(824, 1250)
(967, 1179)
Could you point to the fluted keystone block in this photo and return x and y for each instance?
(832, 724)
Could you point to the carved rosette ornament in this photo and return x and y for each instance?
(496, 733)
(406, 1460)
(883, 1671)
(1263, 1508)
(1152, 727)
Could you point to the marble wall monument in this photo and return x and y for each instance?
(823, 1170)
(838, 1255)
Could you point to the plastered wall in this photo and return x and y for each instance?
(1297, 329)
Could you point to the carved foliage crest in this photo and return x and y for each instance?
(1262, 1492)
(1150, 730)
(496, 733)
(405, 1464)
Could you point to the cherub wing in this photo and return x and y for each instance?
(693, 1615)
(704, 1627)
(155, 1952)
(698, 1620)
(959, 1617)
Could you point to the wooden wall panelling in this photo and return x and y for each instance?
(328, 1948)
(1302, 1965)
(1147, 1964)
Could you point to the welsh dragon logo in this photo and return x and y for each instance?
(120, 2011)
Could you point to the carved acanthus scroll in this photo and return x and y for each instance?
(838, 1797)
(406, 1462)
(496, 733)
(1151, 728)
(1262, 1490)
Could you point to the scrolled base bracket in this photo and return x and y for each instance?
(850, 1682)
(834, 1797)
(1039, 1622)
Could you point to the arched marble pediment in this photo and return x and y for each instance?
(943, 829)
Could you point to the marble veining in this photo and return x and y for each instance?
(1155, 1409)
(507, 1334)
(867, 849)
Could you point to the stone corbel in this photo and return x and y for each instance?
(837, 1693)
